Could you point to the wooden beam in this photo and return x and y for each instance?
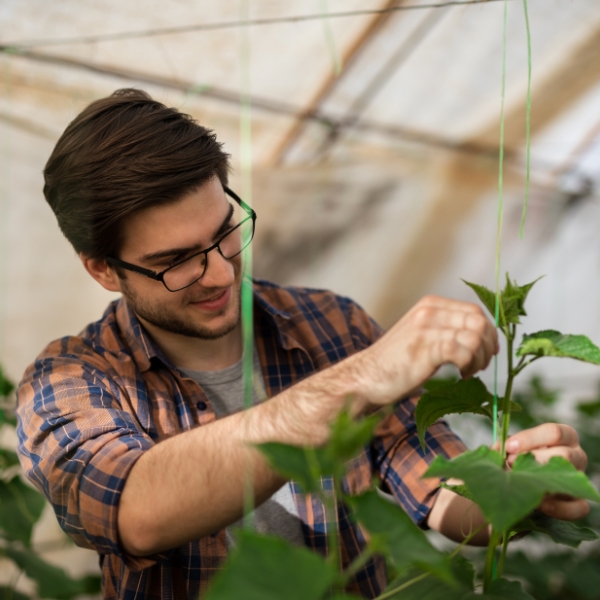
(328, 86)
(463, 181)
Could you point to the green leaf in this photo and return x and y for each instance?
(52, 581)
(461, 490)
(502, 589)
(269, 568)
(485, 295)
(8, 593)
(20, 508)
(307, 466)
(512, 300)
(8, 459)
(431, 588)
(349, 436)
(554, 343)
(562, 532)
(6, 386)
(506, 497)
(458, 397)
(397, 536)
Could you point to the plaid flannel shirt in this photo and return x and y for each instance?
(92, 404)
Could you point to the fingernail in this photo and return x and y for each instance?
(512, 446)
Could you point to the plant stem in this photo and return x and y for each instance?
(505, 541)
(402, 587)
(508, 391)
(488, 575)
(467, 539)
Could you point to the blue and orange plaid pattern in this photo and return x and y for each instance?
(91, 404)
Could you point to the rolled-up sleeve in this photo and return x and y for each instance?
(78, 445)
(401, 463)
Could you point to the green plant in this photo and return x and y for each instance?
(21, 507)
(550, 573)
(268, 568)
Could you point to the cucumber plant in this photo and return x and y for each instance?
(267, 568)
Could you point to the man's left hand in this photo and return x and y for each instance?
(544, 442)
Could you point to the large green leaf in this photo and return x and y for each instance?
(20, 508)
(512, 300)
(554, 343)
(6, 386)
(396, 536)
(506, 497)
(432, 588)
(270, 568)
(8, 593)
(453, 397)
(8, 458)
(52, 581)
(307, 466)
(502, 589)
(562, 532)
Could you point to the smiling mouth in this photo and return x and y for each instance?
(215, 302)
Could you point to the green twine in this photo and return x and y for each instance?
(335, 57)
(527, 121)
(500, 212)
(246, 293)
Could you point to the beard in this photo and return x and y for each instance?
(168, 321)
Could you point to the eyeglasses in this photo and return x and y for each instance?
(186, 272)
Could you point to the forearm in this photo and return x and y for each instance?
(192, 485)
(457, 518)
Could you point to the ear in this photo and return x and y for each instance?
(102, 272)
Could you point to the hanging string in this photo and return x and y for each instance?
(500, 213)
(527, 121)
(335, 57)
(247, 292)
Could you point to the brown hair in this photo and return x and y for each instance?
(122, 154)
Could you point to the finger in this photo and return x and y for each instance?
(567, 510)
(458, 348)
(548, 434)
(576, 456)
(449, 304)
(479, 351)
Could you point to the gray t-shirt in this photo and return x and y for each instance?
(225, 390)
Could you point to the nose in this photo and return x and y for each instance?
(219, 271)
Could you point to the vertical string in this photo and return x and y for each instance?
(500, 213)
(527, 121)
(247, 294)
(335, 57)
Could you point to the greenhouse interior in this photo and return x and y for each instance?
(406, 171)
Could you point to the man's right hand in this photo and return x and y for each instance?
(436, 331)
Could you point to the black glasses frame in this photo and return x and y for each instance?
(161, 275)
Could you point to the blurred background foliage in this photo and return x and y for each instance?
(21, 507)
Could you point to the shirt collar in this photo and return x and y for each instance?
(145, 351)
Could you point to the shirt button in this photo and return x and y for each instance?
(201, 405)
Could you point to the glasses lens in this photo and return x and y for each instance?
(237, 239)
(184, 274)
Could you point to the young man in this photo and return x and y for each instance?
(134, 429)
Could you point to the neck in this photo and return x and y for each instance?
(195, 353)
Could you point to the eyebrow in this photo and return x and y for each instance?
(184, 250)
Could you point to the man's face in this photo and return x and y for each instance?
(157, 237)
